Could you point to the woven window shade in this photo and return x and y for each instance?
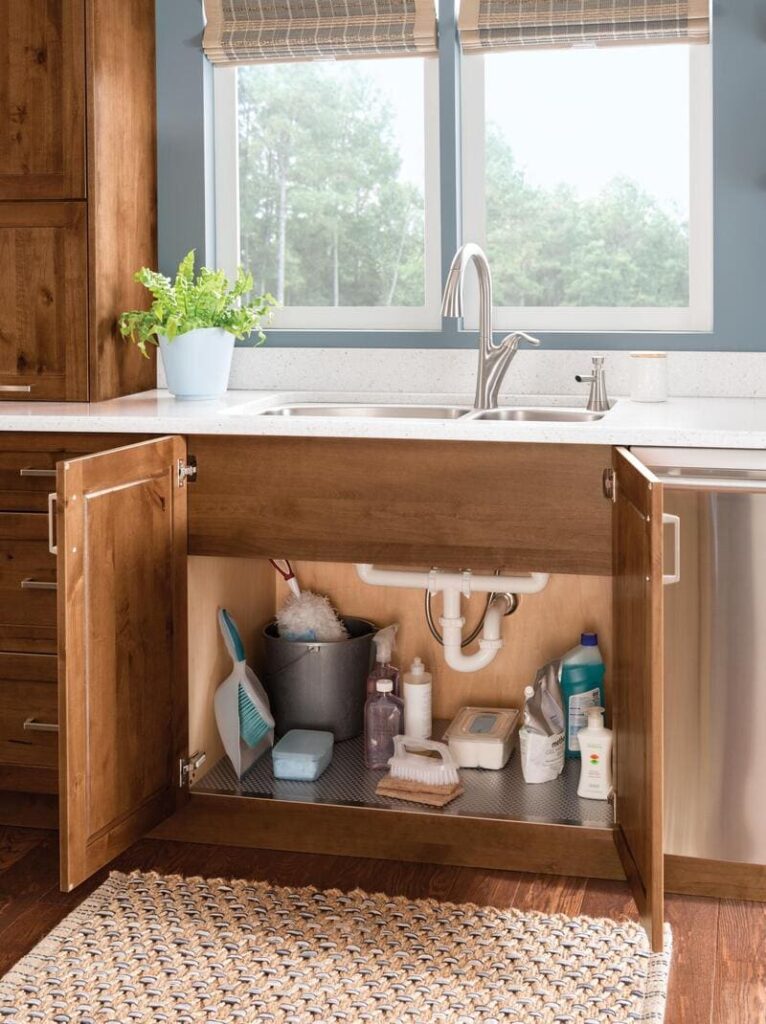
(270, 31)
(518, 24)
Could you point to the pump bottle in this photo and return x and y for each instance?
(596, 757)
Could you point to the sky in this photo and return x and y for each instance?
(578, 116)
(583, 116)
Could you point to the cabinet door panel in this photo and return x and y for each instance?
(122, 644)
(638, 684)
(42, 99)
(43, 301)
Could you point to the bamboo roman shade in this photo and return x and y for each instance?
(267, 31)
(518, 24)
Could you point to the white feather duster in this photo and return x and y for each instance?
(309, 617)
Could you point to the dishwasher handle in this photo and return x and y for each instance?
(668, 519)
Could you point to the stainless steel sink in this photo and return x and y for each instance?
(547, 415)
(414, 412)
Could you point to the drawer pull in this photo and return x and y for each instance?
(16, 387)
(31, 471)
(52, 546)
(32, 725)
(32, 584)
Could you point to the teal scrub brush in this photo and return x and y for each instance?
(242, 710)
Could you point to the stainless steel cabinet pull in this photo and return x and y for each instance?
(32, 584)
(52, 546)
(31, 471)
(15, 387)
(675, 522)
(32, 725)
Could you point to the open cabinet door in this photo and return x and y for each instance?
(123, 702)
(637, 684)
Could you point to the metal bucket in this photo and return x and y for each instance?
(319, 685)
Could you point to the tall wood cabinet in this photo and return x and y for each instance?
(77, 194)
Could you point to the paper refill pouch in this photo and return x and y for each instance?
(242, 710)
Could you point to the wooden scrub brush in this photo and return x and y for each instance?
(422, 772)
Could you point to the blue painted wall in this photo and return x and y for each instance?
(739, 83)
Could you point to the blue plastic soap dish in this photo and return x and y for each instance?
(302, 754)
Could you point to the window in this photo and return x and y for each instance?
(587, 176)
(327, 185)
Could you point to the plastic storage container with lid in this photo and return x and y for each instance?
(482, 737)
(302, 754)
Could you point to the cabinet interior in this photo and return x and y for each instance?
(544, 626)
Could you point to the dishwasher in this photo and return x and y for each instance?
(715, 653)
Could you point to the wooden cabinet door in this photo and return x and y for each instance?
(123, 705)
(637, 684)
(43, 301)
(42, 99)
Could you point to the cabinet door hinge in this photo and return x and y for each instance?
(609, 484)
(187, 470)
(187, 766)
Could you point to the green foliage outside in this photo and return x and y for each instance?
(324, 219)
(550, 247)
(326, 222)
(190, 303)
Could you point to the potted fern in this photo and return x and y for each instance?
(195, 322)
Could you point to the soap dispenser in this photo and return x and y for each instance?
(596, 757)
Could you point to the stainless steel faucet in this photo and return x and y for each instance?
(598, 400)
(494, 360)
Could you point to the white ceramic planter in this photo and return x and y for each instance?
(197, 364)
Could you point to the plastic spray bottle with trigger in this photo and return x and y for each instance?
(385, 643)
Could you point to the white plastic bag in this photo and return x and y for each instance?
(542, 757)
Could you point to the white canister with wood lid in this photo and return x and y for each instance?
(649, 376)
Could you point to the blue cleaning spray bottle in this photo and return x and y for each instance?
(582, 687)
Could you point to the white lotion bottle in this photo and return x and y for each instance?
(595, 758)
(417, 701)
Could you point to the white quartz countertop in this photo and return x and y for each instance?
(679, 422)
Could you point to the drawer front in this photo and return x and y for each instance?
(28, 694)
(26, 480)
(27, 584)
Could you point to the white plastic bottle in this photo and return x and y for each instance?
(417, 701)
(596, 758)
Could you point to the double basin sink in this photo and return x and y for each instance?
(547, 414)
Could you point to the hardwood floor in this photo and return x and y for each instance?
(719, 946)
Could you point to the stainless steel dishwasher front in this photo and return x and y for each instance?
(715, 654)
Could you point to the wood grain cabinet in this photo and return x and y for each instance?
(123, 525)
(77, 194)
(43, 300)
(42, 99)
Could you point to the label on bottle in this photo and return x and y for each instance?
(578, 714)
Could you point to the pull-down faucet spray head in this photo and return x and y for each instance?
(494, 359)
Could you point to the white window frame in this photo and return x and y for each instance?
(698, 315)
(227, 228)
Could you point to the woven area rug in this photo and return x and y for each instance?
(146, 947)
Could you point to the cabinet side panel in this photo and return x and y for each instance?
(122, 165)
(246, 588)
